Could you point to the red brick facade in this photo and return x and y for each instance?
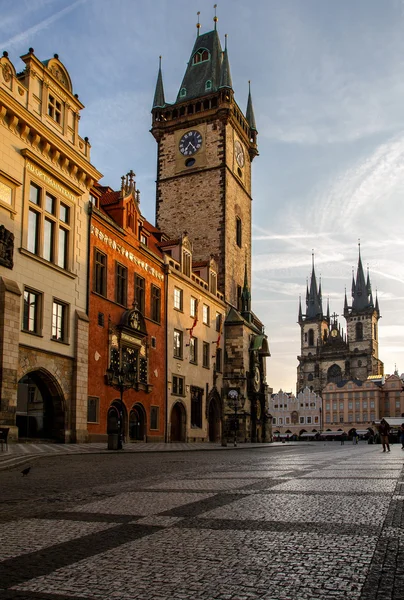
(124, 257)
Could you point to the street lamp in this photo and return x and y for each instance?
(236, 402)
(120, 381)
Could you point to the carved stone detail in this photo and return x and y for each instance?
(6, 247)
(6, 73)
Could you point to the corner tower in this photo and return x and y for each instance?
(205, 149)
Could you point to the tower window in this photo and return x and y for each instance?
(359, 331)
(375, 331)
(200, 55)
(311, 337)
(208, 85)
(183, 92)
(238, 232)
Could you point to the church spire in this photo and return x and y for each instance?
(360, 288)
(314, 308)
(159, 100)
(300, 316)
(225, 76)
(250, 111)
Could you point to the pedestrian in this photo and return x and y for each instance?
(402, 436)
(343, 436)
(354, 437)
(384, 429)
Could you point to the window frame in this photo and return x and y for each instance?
(178, 298)
(140, 292)
(206, 314)
(206, 355)
(155, 303)
(100, 273)
(55, 108)
(97, 409)
(65, 321)
(180, 346)
(193, 350)
(121, 284)
(175, 387)
(37, 330)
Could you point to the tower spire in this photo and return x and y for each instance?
(314, 308)
(249, 115)
(159, 100)
(225, 77)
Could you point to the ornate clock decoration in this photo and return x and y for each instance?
(239, 153)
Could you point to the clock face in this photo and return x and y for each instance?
(239, 152)
(190, 143)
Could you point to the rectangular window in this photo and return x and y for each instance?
(316, 419)
(177, 343)
(301, 419)
(193, 308)
(365, 404)
(154, 417)
(93, 404)
(328, 418)
(59, 321)
(341, 406)
(365, 416)
(218, 321)
(177, 299)
(239, 240)
(178, 385)
(308, 419)
(341, 419)
(206, 355)
(31, 320)
(140, 293)
(54, 109)
(219, 360)
(100, 273)
(193, 350)
(143, 239)
(49, 227)
(205, 314)
(350, 405)
(196, 407)
(6, 194)
(155, 303)
(121, 284)
(357, 417)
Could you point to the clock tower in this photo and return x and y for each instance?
(206, 145)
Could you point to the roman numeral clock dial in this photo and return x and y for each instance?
(190, 143)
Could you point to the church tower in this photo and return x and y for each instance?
(205, 149)
(362, 326)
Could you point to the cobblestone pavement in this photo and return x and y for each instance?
(307, 522)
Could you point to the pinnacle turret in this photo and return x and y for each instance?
(159, 100)
(225, 76)
(249, 115)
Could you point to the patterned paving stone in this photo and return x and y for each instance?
(217, 565)
(298, 508)
(349, 474)
(29, 535)
(203, 484)
(332, 485)
(140, 503)
(246, 474)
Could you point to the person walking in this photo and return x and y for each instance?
(402, 436)
(343, 436)
(354, 437)
(384, 430)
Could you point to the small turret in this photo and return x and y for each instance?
(159, 100)
(249, 115)
(225, 76)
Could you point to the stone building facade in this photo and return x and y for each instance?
(127, 310)
(45, 177)
(327, 353)
(299, 415)
(206, 146)
(195, 350)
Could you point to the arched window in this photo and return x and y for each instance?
(208, 85)
(311, 337)
(359, 331)
(334, 373)
(200, 55)
(183, 92)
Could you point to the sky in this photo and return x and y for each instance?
(328, 91)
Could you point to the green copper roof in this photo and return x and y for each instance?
(207, 69)
(225, 77)
(159, 100)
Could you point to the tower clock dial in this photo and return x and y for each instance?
(190, 143)
(239, 152)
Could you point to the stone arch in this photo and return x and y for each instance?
(214, 411)
(41, 406)
(137, 423)
(115, 413)
(178, 422)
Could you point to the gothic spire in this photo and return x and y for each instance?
(328, 309)
(360, 291)
(300, 317)
(250, 111)
(159, 101)
(245, 295)
(225, 76)
(314, 308)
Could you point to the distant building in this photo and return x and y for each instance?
(293, 415)
(329, 355)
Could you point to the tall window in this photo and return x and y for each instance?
(206, 355)
(177, 299)
(177, 343)
(59, 321)
(186, 263)
(196, 406)
(121, 284)
(49, 226)
(205, 314)
(155, 303)
(239, 239)
(193, 350)
(359, 331)
(311, 337)
(178, 385)
(140, 289)
(218, 321)
(193, 306)
(54, 109)
(31, 320)
(100, 273)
